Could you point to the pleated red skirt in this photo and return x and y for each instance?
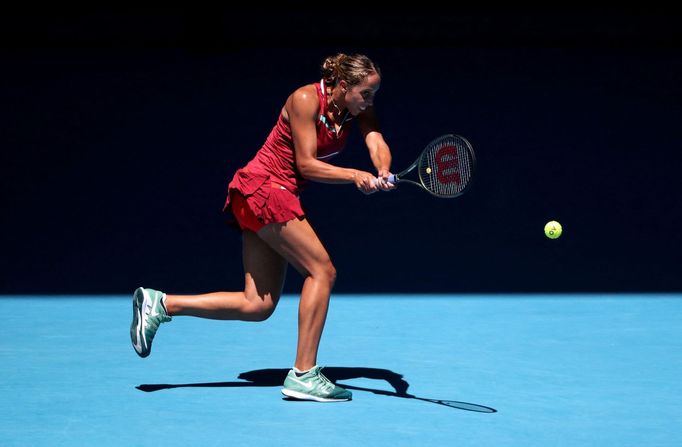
(255, 199)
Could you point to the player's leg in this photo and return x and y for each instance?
(298, 243)
(264, 274)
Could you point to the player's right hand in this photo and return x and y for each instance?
(365, 182)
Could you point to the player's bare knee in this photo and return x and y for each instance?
(332, 273)
(263, 314)
(258, 310)
(327, 272)
(258, 313)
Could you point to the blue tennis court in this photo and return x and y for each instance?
(467, 370)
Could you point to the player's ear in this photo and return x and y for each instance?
(344, 86)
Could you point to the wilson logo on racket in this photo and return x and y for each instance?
(448, 165)
(453, 159)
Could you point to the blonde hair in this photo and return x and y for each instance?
(352, 69)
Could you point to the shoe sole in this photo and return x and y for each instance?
(139, 298)
(302, 396)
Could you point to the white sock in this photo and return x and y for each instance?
(163, 303)
(299, 372)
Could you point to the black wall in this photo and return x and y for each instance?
(120, 130)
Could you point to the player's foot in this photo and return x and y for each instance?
(313, 385)
(148, 314)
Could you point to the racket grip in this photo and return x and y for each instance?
(391, 179)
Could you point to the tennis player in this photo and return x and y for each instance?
(263, 198)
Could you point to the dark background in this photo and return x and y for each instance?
(121, 128)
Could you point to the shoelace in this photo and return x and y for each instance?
(162, 316)
(326, 383)
(153, 322)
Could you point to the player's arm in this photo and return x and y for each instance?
(379, 151)
(302, 108)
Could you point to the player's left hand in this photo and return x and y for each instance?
(382, 181)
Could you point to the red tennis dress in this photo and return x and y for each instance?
(267, 189)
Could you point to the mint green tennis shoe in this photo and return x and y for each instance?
(313, 385)
(148, 314)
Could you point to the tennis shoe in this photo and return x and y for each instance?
(313, 385)
(148, 314)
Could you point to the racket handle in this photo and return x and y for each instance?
(391, 179)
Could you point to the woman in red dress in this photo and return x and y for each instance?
(263, 197)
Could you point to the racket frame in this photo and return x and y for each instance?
(397, 178)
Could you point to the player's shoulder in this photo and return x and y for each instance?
(305, 93)
(304, 99)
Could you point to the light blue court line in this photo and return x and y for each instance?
(536, 370)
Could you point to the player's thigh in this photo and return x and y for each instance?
(264, 268)
(298, 243)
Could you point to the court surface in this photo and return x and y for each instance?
(465, 370)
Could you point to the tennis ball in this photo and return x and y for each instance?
(553, 229)
(428, 170)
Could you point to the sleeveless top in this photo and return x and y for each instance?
(277, 156)
(270, 182)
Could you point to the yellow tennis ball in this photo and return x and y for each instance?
(428, 170)
(553, 229)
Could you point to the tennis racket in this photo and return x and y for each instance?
(444, 168)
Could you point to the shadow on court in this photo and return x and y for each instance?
(275, 377)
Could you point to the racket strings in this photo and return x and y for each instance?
(446, 167)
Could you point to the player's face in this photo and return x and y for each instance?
(361, 96)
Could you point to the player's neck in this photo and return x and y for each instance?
(335, 106)
(337, 112)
